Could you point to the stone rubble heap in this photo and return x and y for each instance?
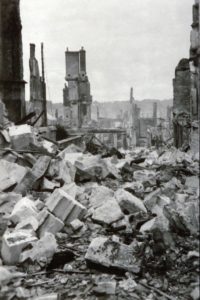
(81, 226)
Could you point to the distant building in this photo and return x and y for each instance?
(76, 93)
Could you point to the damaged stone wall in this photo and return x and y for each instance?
(12, 85)
(186, 92)
(76, 94)
(195, 76)
(36, 88)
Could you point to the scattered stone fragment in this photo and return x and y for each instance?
(105, 288)
(128, 285)
(195, 294)
(63, 206)
(183, 217)
(24, 209)
(13, 244)
(22, 136)
(108, 213)
(103, 251)
(43, 249)
(5, 276)
(28, 223)
(7, 183)
(49, 186)
(100, 195)
(129, 203)
(144, 175)
(151, 199)
(48, 297)
(12, 171)
(76, 224)
(48, 223)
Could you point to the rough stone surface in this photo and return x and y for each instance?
(48, 223)
(107, 253)
(43, 249)
(14, 243)
(100, 195)
(64, 206)
(12, 171)
(128, 202)
(24, 209)
(108, 213)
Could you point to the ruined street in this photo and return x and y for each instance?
(83, 226)
(99, 161)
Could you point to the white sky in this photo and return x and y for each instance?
(128, 43)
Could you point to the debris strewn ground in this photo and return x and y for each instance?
(76, 225)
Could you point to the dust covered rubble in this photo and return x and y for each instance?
(91, 226)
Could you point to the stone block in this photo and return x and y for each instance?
(107, 253)
(43, 250)
(11, 170)
(65, 207)
(108, 213)
(24, 209)
(151, 199)
(76, 224)
(13, 244)
(48, 223)
(21, 136)
(100, 195)
(30, 223)
(129, 203)
(37, 172)
(7, 183)
(61, 170)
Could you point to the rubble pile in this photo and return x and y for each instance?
(77, 225)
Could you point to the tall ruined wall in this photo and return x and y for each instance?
(12, 86)
(186, 102)
(76, 94)
(182, 86)
(195, 76)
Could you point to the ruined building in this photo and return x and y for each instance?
(37, 89)
(12, 85)
(186, 84)
(76, 94)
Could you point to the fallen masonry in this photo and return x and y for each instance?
(80, 226)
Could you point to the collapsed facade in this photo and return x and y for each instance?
(186, 86)
(12, 85)
(76, 93)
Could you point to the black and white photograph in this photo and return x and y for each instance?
(99, 150)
